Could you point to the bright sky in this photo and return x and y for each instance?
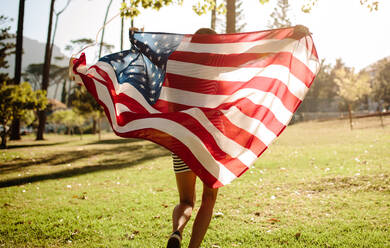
(341, 29)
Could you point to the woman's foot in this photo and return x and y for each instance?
(174, 240)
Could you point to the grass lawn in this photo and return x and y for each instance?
(318, 185)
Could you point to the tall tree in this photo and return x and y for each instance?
(352, 87)
(15, 126)
(381, 84)
(279, 16)
(19, 44)
(372, 5)
(133, 9)
(45, 74)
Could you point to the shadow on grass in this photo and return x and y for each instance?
(114, 141)
(36, 145)
(69, 157)
(111, 164)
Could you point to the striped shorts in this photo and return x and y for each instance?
(178, 165)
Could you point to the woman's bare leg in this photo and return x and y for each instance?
(182, 212)
(203, 217)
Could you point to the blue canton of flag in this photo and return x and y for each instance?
(144, 65)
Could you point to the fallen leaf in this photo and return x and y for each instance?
(273, 220)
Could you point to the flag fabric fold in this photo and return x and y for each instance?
(217, 101)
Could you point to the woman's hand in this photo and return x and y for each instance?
(300, 31)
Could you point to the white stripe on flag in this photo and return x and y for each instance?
(212, 72)
(249, 124)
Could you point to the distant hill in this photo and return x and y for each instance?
(34, 52)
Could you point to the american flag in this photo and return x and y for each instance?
(217, 101)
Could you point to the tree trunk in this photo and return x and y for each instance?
(100, 128)
(105, 20)
(350, 116)
(230, 16)
(93, 126)
(3, 141)
(214, 16)
(63, 93)
(15, 126)
(381, 116)
(45, 74)
(81, 132)
(3, 138)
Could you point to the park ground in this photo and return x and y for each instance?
(319, 185)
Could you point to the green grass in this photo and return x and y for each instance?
(318, 185)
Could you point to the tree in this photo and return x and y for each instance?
(133, 9)
(33, 74)
(205, 6)
(280, 16)
(15, 102)
(381, 84)
(45, 73)
(372, 5)
(15, 127)
(69, 118)
(86, 105)
(77, 45)
(352, 87)
(6, 47)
